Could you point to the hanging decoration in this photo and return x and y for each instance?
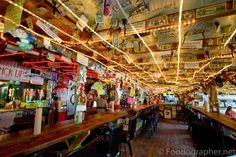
(14, 13)
(107, 8)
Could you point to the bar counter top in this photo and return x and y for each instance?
(15, 110)
(220, 118)
(139, 107)
(24, 142)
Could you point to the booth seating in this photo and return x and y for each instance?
(127, 136)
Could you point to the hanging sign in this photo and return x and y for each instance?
(103, 34)
(191, 66)
(139, 26)
(211, 10)
(13, 73)
(193, 44)
(80, 25)
(157, 21)
(51, 57)
(115, 36)
(167, 36)
(13, 13)
(82, 59)
(48, 30)
(36, 80)
(187, 15)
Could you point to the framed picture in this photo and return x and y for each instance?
(167, 114)
(211, 10)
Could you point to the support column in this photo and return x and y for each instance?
(213, 98)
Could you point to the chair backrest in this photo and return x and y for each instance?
(132, 126)
(89, 150)
(115, 138)
(205, 136)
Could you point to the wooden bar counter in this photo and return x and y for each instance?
(24, 142)
(220, 118)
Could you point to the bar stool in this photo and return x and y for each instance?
(128, 136)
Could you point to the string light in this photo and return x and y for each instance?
(231, 36)
(11, 2)
(85, 24)
(141, 39)
(191, 62)
(180, 40)
(200, 70)
(227, 66)
(146, 31)
(55, 42)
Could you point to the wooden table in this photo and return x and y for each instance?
(26, 142)
(220, 118)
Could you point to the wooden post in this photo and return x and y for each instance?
(213, 99)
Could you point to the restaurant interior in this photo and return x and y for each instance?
(117, 78)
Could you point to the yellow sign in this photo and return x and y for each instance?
(14, 13)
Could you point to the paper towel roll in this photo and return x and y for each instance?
(38, 121)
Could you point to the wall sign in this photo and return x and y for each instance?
(187, 15)
(36, 80)
(191, 66)
(14, 73)
(193, 44)
(139, 26)
(157, 21)
(211, 10)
